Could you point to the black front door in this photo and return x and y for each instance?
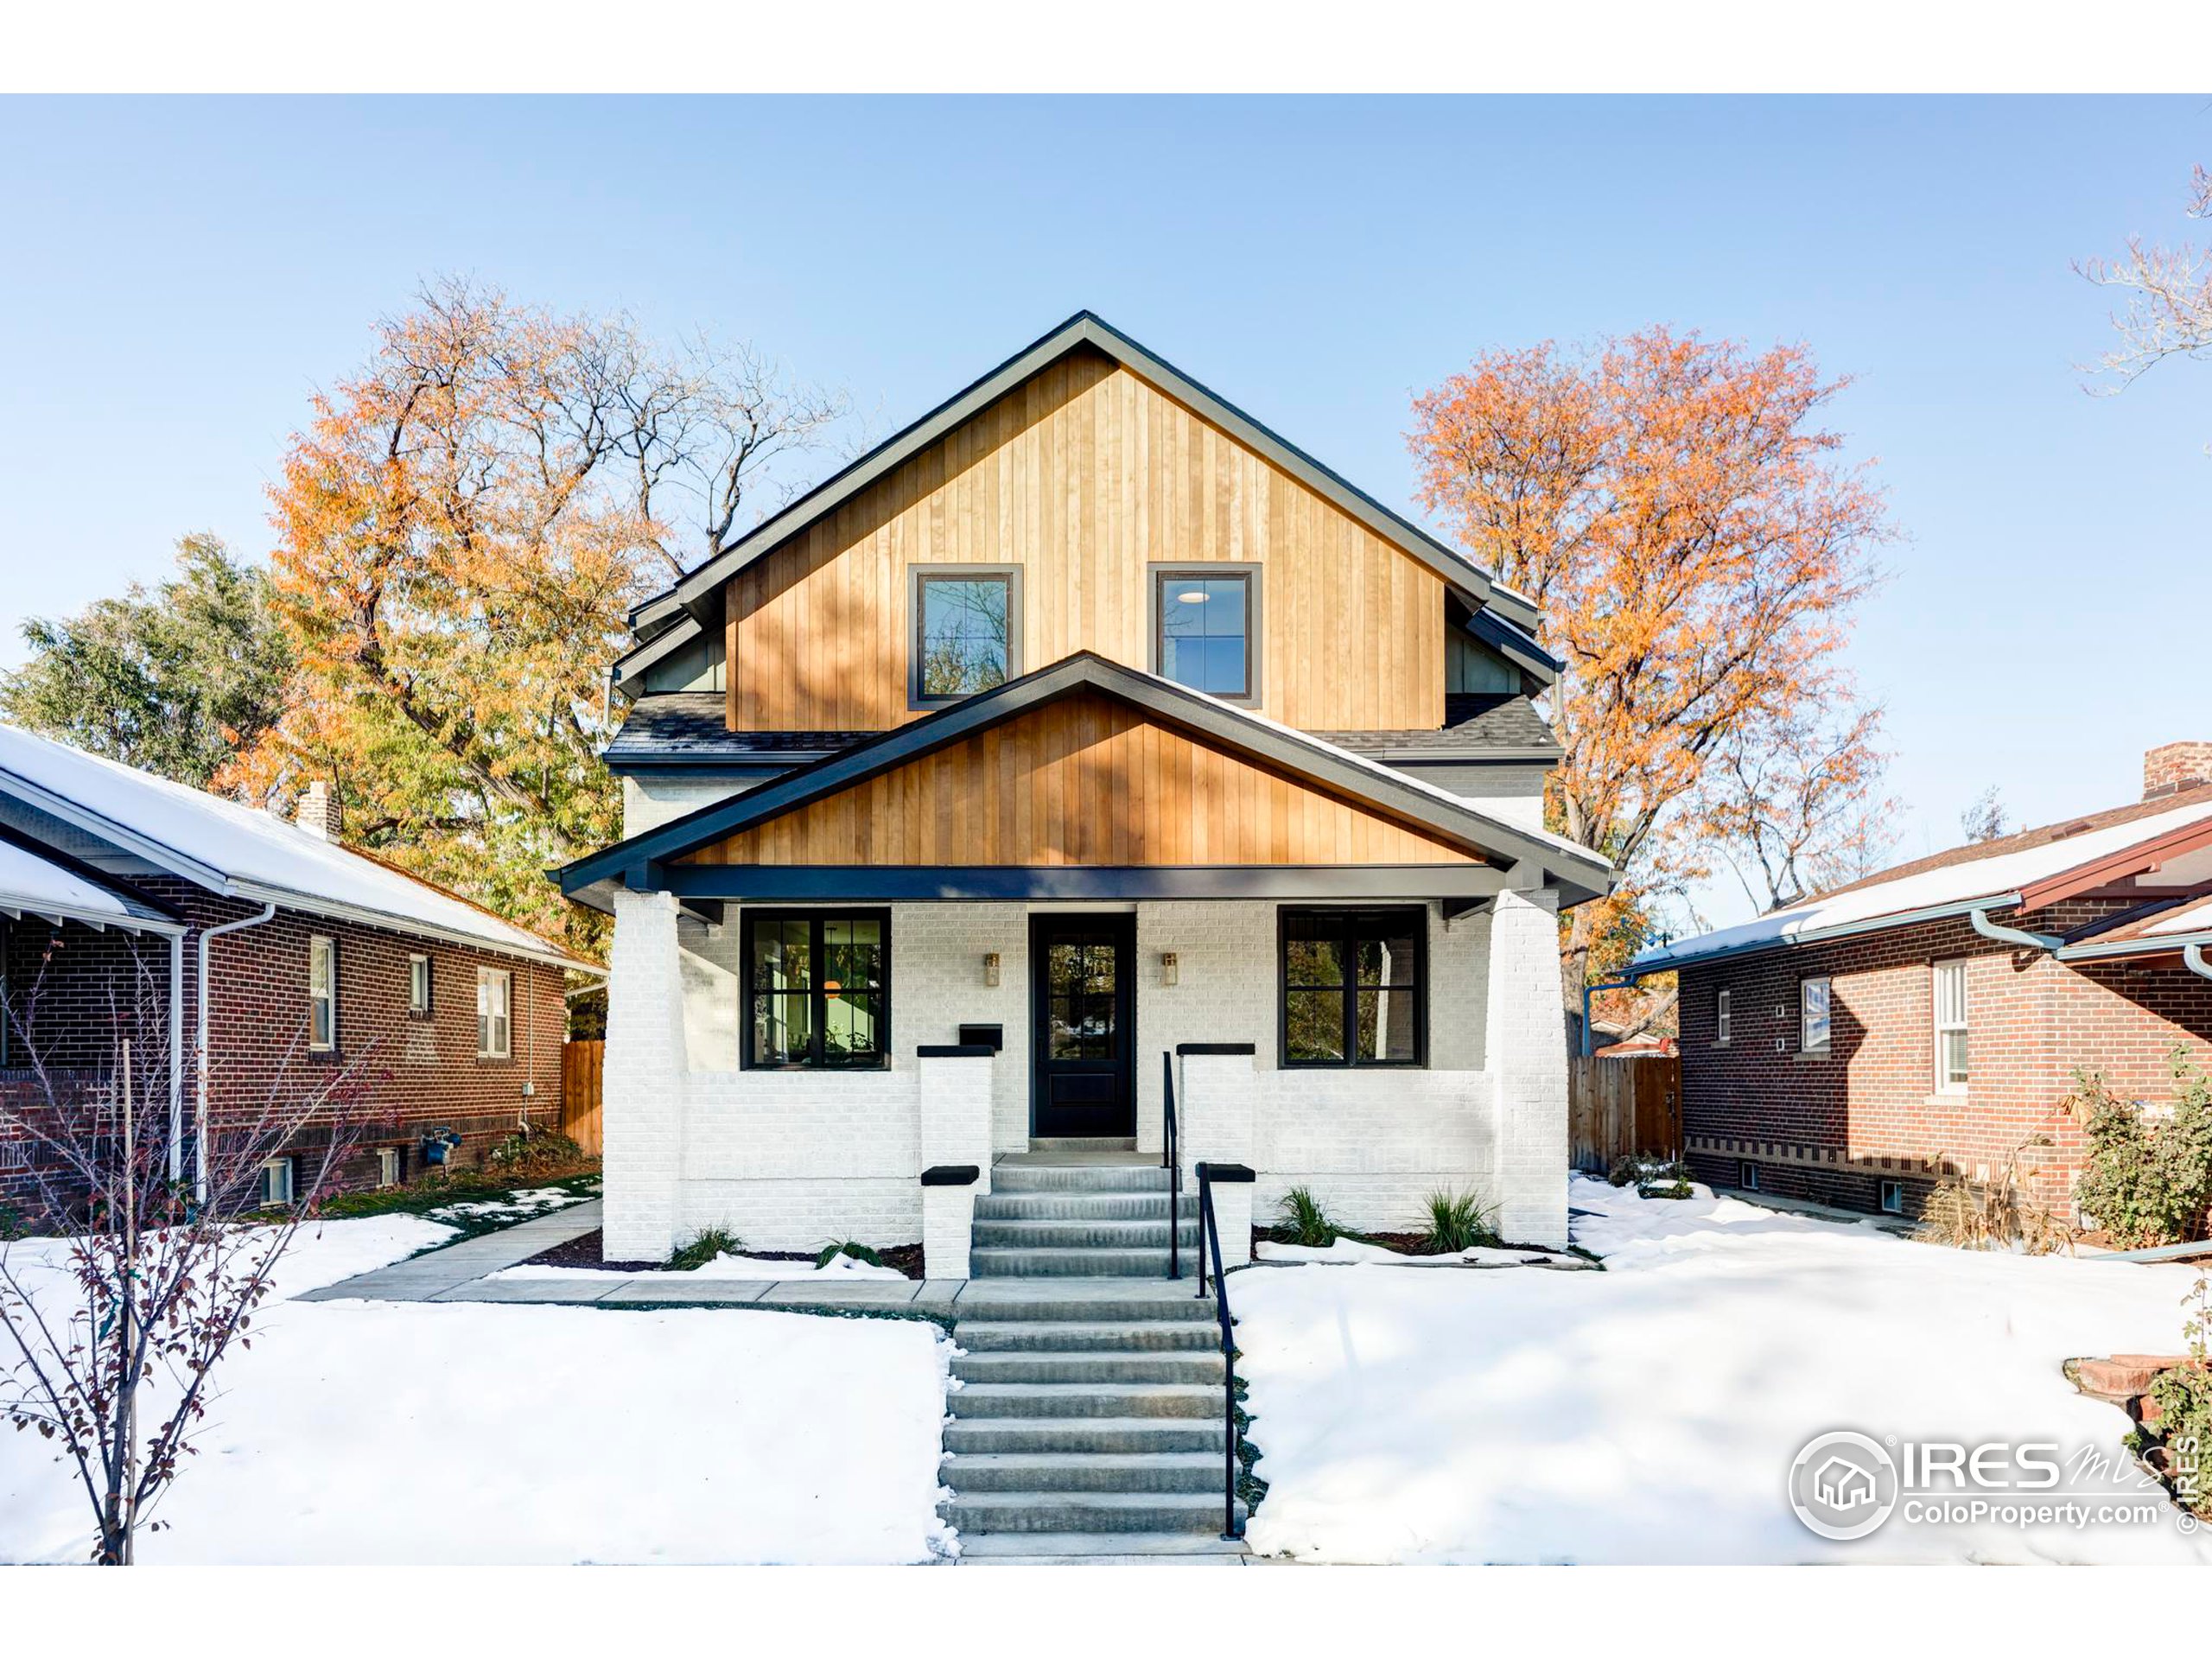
(1083, 1004)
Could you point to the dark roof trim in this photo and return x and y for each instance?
(1645, 966)
(764, 884)
(1085, 328)
(1517, 647)
(1584, 874)
(630, 666)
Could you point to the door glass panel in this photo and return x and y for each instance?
(1080, 998)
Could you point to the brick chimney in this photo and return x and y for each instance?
(2176, 766)
(318, 811)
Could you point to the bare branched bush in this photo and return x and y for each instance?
(145, 1264)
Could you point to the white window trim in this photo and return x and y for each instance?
(1884, 1192)
(321, 948)
(271, 1168)
(1938, 1028)
(390, 1167)
(1805, 1044)
(1724, 1019)
(424, 1006)
(486, 1026)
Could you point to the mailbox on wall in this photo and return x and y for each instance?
(991, 1037)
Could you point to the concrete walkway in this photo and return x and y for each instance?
(461, 1272)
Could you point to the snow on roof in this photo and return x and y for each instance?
(31, 884)
(233, 848)
(2189, 918)
(1943, 886)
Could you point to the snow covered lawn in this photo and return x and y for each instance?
(1651, 1413)
(369, 1432)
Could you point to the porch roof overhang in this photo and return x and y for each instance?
(654, 861)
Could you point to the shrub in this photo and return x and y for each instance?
(525, 1153)
(1457, 1222)
(1303, 1221)
(2147, 1182)
(858, 1252)
(1653, 1174)
(1993, 1214)
(2184, 1397)
(11, 1222)
(710, 1244)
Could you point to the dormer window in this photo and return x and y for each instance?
(1204, 625)
(967, 631)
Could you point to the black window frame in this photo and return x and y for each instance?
(919, 578)
(1348, 986)
(748, 927)
(1247, 574)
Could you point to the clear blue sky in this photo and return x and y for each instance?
(180, 275)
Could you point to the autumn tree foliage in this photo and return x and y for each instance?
(1696, 543)
(462, 527)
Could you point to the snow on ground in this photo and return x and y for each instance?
(1651, 1413)
(371, 1431)
(724, 1265)
(1348, 1250)
(518, 1205)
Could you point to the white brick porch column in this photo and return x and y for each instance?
(1525, 1053)
(642, 1119)
(955, 1087)
(1217, 1108)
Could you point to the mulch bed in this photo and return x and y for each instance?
(583, 1251)
(1404, 1243)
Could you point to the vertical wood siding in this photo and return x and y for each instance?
(1085, 780)
(1084, 475)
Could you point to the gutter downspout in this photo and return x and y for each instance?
(1605, 985)
(2192, 957)
(176, 1058)
(1990, 930)
(200, 1051)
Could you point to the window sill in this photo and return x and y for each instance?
(1948, 1097)
(1804, 1054)
(820, 1071)
(495, 1060)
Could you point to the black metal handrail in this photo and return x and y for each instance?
(1209, 1237)
(1174, 1177)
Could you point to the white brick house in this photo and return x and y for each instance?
(1083, 735)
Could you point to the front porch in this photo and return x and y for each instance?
(700, 1133)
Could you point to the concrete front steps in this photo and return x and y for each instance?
(1089, 1421)
(1066, 1213)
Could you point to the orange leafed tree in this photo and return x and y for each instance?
(462, 527)
(1696, 543)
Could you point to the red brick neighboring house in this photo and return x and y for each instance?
(1856, 1048)
(121, 893)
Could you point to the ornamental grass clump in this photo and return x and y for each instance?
(1302, 1220)
(710, 1244)
(858, 1252)
(1458, 1222)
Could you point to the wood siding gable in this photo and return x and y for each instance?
(1084, 779)
(1086, 476)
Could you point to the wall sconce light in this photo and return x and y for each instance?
(991, 968)
(1171, 968)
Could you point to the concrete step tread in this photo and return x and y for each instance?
(1183, 1365)
(1040, 1511)
(1076, 1400)
(1091, 1436)
(1089, 1336)
(1043, 1461)
(1066, 1548)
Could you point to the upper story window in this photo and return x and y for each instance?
(1723, 1020)
(1950, 1025)
(322, 994)
(817, 987)
(1813, 1015)
(967, 631)
(1354, 989)
(1204, 620)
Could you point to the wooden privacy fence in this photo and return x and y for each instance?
(583, 1066)
(1614, 1108)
